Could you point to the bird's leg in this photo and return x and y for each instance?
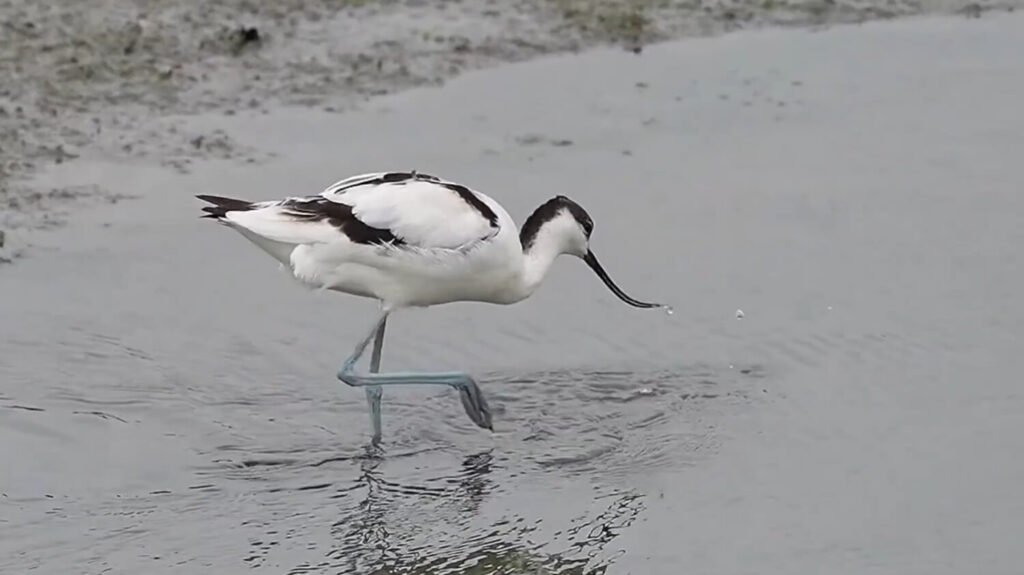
(373, 393)
(472, 400)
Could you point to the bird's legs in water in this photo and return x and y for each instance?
(472, 400)
(374, 392)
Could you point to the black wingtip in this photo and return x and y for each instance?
(221, 206)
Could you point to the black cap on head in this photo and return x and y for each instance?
(548, 211)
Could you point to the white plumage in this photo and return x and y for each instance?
(406, 239)
(420, 211)
(410, 239)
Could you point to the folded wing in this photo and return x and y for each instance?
(399, 209)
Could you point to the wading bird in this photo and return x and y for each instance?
(409, 239)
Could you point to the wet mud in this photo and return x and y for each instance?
(87, 79)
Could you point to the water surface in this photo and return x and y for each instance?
(168, 402)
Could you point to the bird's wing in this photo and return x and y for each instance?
(418, 210)
(400, 209)
(290, 221)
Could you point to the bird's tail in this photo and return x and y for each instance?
(281, 250)
(221, 206)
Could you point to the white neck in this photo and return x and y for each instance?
(550, 242)
(537, 261)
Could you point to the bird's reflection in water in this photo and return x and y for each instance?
(473, 483)
(365, 531)
(435, 527)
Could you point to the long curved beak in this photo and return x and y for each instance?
(591, 260)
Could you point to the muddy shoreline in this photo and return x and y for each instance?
(91, 78)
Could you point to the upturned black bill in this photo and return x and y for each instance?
(591, 260)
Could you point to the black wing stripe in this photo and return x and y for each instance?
(340, 216)
(472, 199)
(402, 177)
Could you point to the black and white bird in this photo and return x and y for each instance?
(409, 239)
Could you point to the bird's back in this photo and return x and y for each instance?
(390, 229)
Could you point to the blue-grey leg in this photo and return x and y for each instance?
(373, 393)
(472, 400)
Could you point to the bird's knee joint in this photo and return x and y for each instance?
(346, 376)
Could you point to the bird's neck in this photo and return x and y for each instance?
(536, 263)
(539, 252)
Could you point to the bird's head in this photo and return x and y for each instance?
(565, 224)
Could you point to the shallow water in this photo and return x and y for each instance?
(168, 401)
